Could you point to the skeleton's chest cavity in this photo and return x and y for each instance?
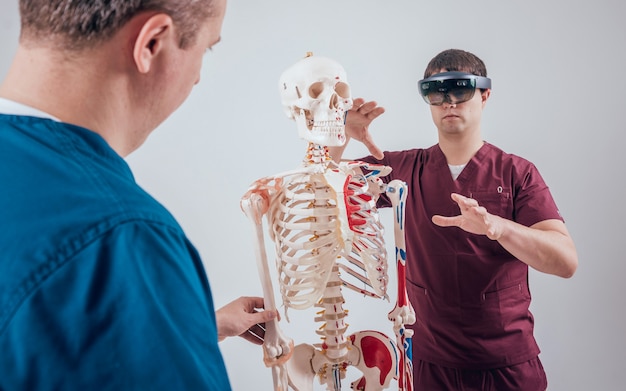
(319, 220)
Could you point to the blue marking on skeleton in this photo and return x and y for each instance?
(336, 377)
(400, 214)
(408, 348)
(374, 172)
(395, 353)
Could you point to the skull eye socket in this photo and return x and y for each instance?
(342, 89)
(316, 89)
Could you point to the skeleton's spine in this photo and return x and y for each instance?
(333, 329)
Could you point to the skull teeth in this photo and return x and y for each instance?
(327, 127)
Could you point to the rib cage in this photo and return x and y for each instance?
(314, 228)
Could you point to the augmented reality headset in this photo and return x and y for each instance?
(451, 87)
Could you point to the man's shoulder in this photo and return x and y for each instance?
(68, 171)
(62, 196)
(414, 155)
(494, 153)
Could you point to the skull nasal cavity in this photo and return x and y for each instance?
(333, 102)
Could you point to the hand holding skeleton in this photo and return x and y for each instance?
(241, 317)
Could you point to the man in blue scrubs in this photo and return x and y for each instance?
(99, 286)
(476, 219)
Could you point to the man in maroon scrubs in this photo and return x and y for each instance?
(477, 217)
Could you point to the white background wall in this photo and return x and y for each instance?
(558, 99)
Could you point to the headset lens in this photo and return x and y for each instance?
(451, 87)
(450, 91)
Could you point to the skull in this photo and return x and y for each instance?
(315, 93)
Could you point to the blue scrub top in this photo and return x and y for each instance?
(99, 286)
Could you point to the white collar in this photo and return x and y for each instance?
(10, 107)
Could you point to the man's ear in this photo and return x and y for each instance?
(152, 38)
(485, 95)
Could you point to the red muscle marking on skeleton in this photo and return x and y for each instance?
(403, 299)
(265, 189)
(359, 385)
(351, 205)
(376, 353)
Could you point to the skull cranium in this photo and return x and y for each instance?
(316, 94)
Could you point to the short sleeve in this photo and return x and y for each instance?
(533, 201)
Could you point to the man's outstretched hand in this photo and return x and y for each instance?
(473, 218)
(358, 120)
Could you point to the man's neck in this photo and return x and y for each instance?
(65, 89)
(459, 149)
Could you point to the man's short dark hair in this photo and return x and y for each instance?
(456, 60)
(80, 24)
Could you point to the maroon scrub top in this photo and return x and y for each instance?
(470, 295)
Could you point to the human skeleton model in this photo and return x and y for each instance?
(323, 220)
